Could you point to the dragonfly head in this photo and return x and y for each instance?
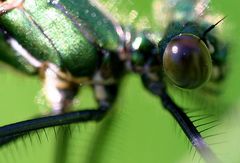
(187, 61)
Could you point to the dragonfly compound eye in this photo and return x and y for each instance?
(187, 61)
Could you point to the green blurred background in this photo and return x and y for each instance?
(138, 130)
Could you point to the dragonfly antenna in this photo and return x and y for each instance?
(212, 27)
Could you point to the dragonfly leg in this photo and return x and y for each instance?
(12, 131)
(105, 96)
(7, 6)
(158, 88)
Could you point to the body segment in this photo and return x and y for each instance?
(51, 35)
(76, 39)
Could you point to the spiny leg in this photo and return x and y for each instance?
(104, 95)
(15, 130)
(6, 6)
(158, 88)
(63, 84)
(55, 83)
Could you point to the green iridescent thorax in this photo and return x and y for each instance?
(141, 47)
(95, 22)
(51, 35)
(8, 55)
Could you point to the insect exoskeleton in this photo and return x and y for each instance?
(73, 43)
(187, 61)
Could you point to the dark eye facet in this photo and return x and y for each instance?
(187, 61)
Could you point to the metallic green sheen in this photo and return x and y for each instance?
(8, 55)
(94, 21)
(68, 47)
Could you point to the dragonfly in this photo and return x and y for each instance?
(107, 45)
